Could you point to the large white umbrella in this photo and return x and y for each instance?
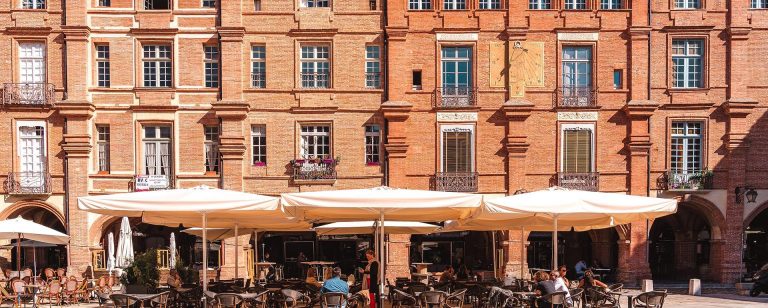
(561, 209)
(172, 250)
(382, 204)
(34, 245)
(363, 227)
(124, 245)
(110, 252)
(200, 206)
(19, 228)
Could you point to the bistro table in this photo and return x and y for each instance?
(263, 268)
(33, 289)
(143, 298)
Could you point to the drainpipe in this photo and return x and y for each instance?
(66, 198)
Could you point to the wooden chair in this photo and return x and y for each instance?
(20, 293)
(161, 300)
(652, 299)
(552, 300)
(333, 300)
(52, 293)
(456, 299)
(125, 301)
(432, 299)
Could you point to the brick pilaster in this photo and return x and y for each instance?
(516, 111)
(231, 40)
(515, 252)
(232, 143)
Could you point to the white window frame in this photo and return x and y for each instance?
(211, 135)
(581, 126)
(302, 143)
(611, 4)
(32, 64)
(35, 177)
(688, 60)
(419, 5)
(372, 134)
(157, 140)
(102, 148)
(104, 3)
(33, 4)
(575, 4)
(315, 60)
(158, 62)
(461, 127)
(686, 140)
(209, 4)
(43, 144)
(758, 4)
(454, 5)
(315, 3)
(211, 66)
(259, 131)
(263, 61)
(103, 67)
(687, 4)
(490, 4)
(375, 82)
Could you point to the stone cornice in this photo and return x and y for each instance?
(738, 33)
(164, 32)
(639, 32)
(231, 110)
(76, 33)
(231, 34)
(396, 150)
(396, 33)
(313, 32)
(640, 109)
(76, 109)
(517, 108)
(739, 107)
(396, 110)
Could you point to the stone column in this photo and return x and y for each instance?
(396, 146)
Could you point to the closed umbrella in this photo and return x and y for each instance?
(110, 252)
(19, 228)
(172, 250)
(124, 245)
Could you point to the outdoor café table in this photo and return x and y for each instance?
(526, 297)
(143, 298)
(33, 289)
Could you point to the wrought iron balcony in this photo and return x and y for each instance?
(373, 80)
(576, 96)
(588, 181)
(314, 80)
(28, 183)
(259, 80)
(687, 180)
(29, 94)
(455, 181)
(454, 97)
(314, 169)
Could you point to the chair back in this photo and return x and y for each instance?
(54, 287)
(71, 285)
(102, 283)
(417, 288)
(123, 301)
(456, 299)
(111, 281)
(18, 286)
(161, 300)
(654, 299)
(616, 287)
(48, 273)
(557, 298)
(333, 300)
(228, 300)
(433, 298)
(577, 295)
(358, 300)
(27, 272)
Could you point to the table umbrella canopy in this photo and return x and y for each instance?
(19, 227)
(215, 234)
(223, 208)
(363, 227)
(370, 204)
(30, 244)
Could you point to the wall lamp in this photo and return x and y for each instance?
(745, 191)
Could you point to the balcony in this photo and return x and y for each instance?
(314, 80)
(454, 97)
(576, 97)
(28, 183)
(373, 80)
(588, 181)
(455, 181)
(29, 94)
(314, 170)
(687, 180)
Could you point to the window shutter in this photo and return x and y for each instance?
(457, 151)
(577, 151)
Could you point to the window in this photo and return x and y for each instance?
(540, 4)
(102, 65)
(157, 150)
(617, 79)
(315, 141)
(102, 141)
(686, 147)
(104, 3)
(490, 4)
(211, 148)
(372, 67)
(315, 66)
(32, 63)
(457, 148)
(454, 4)
(372, 4)
(209, 3)
(419, 5)
(315, 3)
(610, 4)
(157, 65)
(33, 4)
(211, 60)
(576, 4)
(687, 4)
(157, 4)
(456, 63)
(577, 148)
(259, 144)
(258, 66)
(372, 145)
(32, 155)
(759, 4)
(416, 79)
(686, 63)
(577, 68)
(257, 5)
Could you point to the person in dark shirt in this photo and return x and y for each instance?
(371, 278)
(544, 286)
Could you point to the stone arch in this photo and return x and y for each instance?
(97, 228)
(16, 207)
(711, 213)
(751, 217)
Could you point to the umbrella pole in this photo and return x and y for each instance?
(493, 252)
(205, 253)
(522, 252)
(381, 262)
(237, 264)
(18, 255)
(257, 273)
(554, 245)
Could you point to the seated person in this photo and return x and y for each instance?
(312, 277)
(335, 284)
(560, 285)
(544, 286)
(580, 267)
(463, 273)
(562, 271)
(447, 275)
(589, 281)
(174, 280)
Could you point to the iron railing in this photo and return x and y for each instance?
(687, 180)
(28, 183)
(259, 80)
(29, 94)
(314, 169)
(576, 96)
(455, 97)
(373, 80)
(455, 181)
(314, 80)
(588, 181)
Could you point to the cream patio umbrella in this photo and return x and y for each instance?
(380, 203)
(558, 209)
(19, 228)
(172, 250)
(110, 252)
(363, 227)
(201, 206)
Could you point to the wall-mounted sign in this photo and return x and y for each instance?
(578, 36)
(577, 116)
(460, 37)
(457, 116)
(150, 182)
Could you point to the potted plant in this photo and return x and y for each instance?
(141, 276)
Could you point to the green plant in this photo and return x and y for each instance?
(186, 273)
(143, 270)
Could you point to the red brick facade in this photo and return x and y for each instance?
(516, 116)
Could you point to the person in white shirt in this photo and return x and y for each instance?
(560, 285)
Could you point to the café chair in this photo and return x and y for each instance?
(228, 300)
(652, 299)
(358, 300)
(432, 299)
(161, 300)
(456, 299)
(333, 300)
(124, 301)
(556, 299)
(577, 296)
(20, 293)
(401, 299)
(293, 299)
(52, 293)
(600, 299)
